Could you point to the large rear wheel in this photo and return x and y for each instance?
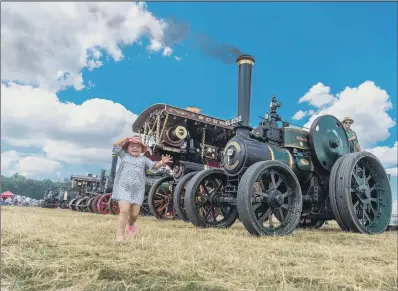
(363, 193)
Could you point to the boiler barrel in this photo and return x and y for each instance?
(240, 153)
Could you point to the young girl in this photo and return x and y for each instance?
(129, 184)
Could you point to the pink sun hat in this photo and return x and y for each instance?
(135, 140)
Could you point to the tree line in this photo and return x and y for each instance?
(33, 188)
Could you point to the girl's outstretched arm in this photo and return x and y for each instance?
(165, 159)
(120, 142)
(117, 147)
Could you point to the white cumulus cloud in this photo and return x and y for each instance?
(48, 44)
(367, 104)
(299, 115)
(28, 165)
(45, 47)
(68, 132)
(387, 155)
(318, 96)
(392, 171)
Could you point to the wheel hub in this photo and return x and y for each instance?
(276, 198)
(363, 192)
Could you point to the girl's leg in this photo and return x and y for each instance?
(124, 207)
(134, 212)
(133, 215)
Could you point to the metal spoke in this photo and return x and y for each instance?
(371, 207)
(272, 173)
(199, 205)
(356, 204)
(260, 181)
(213, 212)
(281, 214)
(363, 212)
(285, 206)
(368, 218)
(356, 178)
(287, 193)
(279, 182)
(265, 215)
(262, 194)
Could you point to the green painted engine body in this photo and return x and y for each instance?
(295, 138)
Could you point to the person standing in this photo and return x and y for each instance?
(352, 136)
(129, 184)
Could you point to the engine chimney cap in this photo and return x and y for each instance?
(248, 59)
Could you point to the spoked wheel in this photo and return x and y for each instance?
(102, 203)
(95, 204)
(113, 207)
(160, 198)
(72, 203)
(277, 208)
(144, 210)
(332, 193)
(64, 204)
(81, 204)
(90, 204)
(310, 223)
(362, 193)
(204, 200)
(179, 196)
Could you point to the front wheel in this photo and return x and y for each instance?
(179, 196)
(269, 199)
(205, 198)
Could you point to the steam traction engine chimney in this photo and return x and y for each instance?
(245, 63)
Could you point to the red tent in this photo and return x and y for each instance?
(6, 194)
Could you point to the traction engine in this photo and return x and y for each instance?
(277, 177)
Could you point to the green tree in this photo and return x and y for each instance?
(32, 188)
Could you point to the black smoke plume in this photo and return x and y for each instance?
(224, 52)
(176, 32)
(179, 30)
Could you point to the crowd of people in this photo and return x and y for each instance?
(20, 201)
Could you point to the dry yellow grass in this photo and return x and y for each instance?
(52, 249)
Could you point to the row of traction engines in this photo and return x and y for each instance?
(274, 178)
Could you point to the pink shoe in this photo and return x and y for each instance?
(132, 230)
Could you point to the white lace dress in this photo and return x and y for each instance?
(129, 184)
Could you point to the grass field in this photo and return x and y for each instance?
(53, 249)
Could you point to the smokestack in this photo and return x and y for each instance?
(102, 178)
(113, 167)
(245, 63)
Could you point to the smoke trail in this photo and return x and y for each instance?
(224, 52)
(178, 30)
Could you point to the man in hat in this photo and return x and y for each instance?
(352, 136)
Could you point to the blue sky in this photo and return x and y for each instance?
(296, 45)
